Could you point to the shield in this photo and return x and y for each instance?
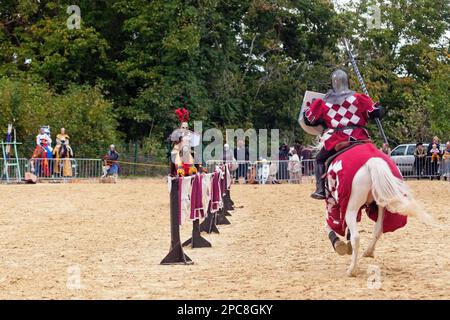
(310, 96)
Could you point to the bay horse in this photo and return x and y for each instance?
(41, 162)
(364, 177)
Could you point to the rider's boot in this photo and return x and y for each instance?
(319, 194)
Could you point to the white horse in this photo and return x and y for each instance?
(374, 181)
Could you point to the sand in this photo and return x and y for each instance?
(105, 241)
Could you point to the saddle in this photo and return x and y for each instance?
(340, 148)
(343, 147)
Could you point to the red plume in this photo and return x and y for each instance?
(182, 114)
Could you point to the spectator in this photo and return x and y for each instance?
(241, 154)
(227, 154)
(273, 170)
(419, 159)
(446, 162)
(298, 146)
(228, 158)
(294, 167)
(283, 156)
(44, 136)
(385, 149)
(263, 171)
(111, 166)
(434, 155)
(63, 137)
(307, 162)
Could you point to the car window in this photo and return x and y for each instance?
(410, 151)
(399, 151)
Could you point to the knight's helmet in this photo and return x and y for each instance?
(183, 140)
(339, 81)
(340, 88)
(46, 130)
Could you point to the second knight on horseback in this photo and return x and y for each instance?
(344, 114)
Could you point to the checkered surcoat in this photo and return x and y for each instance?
(354, 111)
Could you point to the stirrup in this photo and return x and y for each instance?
(318, 196)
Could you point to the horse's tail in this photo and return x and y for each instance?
(392, 193)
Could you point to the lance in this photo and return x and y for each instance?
(363, 85)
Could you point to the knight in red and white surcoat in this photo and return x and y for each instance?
(344, 114)
(344, 121)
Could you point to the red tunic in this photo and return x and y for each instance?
(354, 111)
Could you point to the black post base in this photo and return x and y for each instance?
(209, 224)
(228, 203)
(176, 256)
(197, 241)
(221, 218)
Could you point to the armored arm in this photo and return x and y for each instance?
(377, 111)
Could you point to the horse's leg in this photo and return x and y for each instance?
(361, 187)
(378, 231)
(351, 220)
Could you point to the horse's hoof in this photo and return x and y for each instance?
(351, 272)
(340, 247)
(368, 254)
(349, 248)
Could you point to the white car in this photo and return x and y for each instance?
(403, 156)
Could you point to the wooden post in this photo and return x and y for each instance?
(176, 254)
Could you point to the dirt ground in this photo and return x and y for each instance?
(105, 241)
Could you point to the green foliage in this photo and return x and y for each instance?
(242, 63)
(438, 103)
(82, 110)
(403, 63)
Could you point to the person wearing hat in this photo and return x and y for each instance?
(419, 159)
(42, 157)
(44, 136)
(63, 153)
(111, 166)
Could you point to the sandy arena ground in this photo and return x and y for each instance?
(114, 237)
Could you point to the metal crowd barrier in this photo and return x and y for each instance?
(12, 170)
(425, 168)
(269, 172)
(59, 169)
(261, 172)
